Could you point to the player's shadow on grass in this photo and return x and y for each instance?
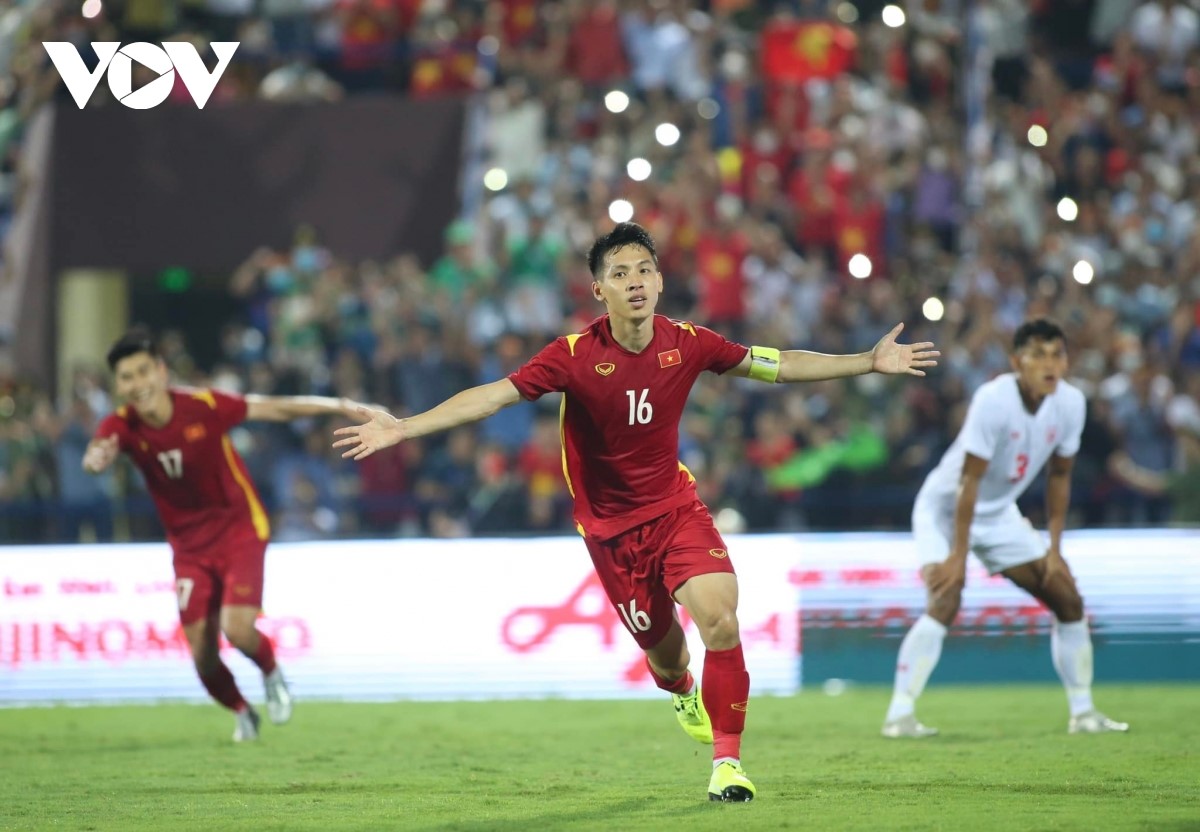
(635, 812)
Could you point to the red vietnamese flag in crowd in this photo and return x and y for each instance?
(797, 51)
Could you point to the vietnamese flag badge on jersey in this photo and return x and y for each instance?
(668, 359)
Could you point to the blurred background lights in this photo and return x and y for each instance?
(893, 16)
(638, 169)
(1083, 272)
(91, 8)
(1067, 209)
(616, 101)
(860, 266)
(495, 179)
(1037, 135)
(666, 133)
(847, 12)
(933, 309)
(620, 210)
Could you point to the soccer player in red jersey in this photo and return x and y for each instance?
(213, 516)
(625, 380)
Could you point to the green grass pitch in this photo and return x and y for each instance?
(1004, 761)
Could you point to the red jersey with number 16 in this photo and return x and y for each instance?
(620, 417)
(198, 481)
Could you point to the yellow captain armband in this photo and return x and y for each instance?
(764, 364)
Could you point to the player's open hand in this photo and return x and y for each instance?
(892, 358)
(381, 430)
(947, 577)
(101, 453)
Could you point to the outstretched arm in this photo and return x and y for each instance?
(287, 408)
(887, 357)
(384, 430)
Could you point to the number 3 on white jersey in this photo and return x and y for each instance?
(640, 410)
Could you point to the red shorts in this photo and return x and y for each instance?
(229, 573)
(642, 568)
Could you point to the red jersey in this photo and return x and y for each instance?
(198, 481)
(620, 417)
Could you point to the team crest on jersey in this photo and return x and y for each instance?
(1051, 435)
(718, 553)
(605, 369)
(194, 433)
(1014, 436)
(669, 359)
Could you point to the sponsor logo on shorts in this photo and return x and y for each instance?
(718, 553)
(242, 589)
(194, 433)
(605, 369)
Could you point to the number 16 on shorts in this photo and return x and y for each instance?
(636, 620)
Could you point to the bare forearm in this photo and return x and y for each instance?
(286, 408)
(1058, 498)
(468, 406)
(964, 515)
(801, 365)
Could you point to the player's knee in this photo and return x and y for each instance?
(244, 638)
(719, 630)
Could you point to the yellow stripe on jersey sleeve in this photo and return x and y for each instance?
(571, 339)
(562, 441)
(258, 516)
(207, 397)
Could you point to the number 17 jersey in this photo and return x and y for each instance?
(197, 479)
(620, 413)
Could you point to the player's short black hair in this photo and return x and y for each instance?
(1038, 329)
(138, 339)
(625, 234)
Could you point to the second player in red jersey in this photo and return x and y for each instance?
(625, 380)
(214, 519)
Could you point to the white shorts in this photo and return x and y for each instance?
(999, 542)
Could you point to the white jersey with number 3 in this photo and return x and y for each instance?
(1015, 442)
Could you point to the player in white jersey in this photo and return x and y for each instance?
(1016, 424)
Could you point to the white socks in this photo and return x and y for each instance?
(1071, 649)
(919, 654)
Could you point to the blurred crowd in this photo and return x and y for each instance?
(812, 176)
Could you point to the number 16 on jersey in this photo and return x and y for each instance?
(640, 410)
(636, 620)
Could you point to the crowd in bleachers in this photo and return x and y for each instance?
(992, 161)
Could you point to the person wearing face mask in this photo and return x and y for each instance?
(1017, 424)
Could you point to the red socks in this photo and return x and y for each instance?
(680, 686)
(264, 656)
(726, 691)
(221, 687)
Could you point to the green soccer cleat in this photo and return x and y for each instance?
(729, 784)
(689, 710)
